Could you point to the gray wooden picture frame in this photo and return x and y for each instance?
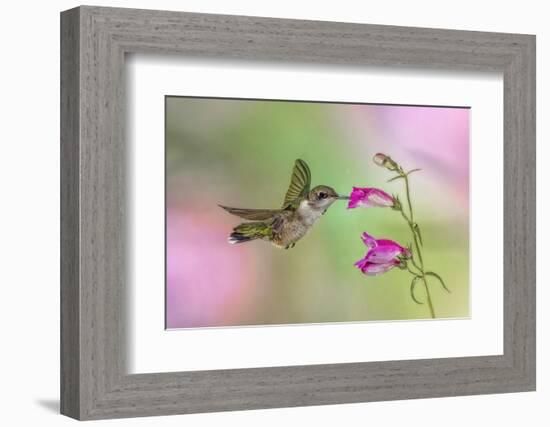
(94, 381)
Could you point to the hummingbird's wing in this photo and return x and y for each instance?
(252, 214)
(277, 223)
(300, 182)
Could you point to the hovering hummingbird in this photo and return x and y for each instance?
(284, 227)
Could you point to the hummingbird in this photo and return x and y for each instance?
(283, 227)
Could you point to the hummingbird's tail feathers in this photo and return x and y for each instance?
(248, 231)
(238, 238)
(252, 214)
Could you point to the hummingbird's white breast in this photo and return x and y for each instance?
(309, 213)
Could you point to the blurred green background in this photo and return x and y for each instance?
(241, 152)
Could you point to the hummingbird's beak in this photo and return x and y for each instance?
(343, 197)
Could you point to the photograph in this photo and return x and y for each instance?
(283, 212)
(267, 213)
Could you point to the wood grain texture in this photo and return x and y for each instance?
(70, 221)
(94, 267)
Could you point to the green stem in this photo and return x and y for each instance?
(418, 252)
(414, 263)
(414, 273)
(432, 312)
(406, 178)
(415, 238)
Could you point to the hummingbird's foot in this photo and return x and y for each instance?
(290, 246)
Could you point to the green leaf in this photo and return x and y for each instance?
(411, 171)
(438, 277)
(394, 178)
(413, 284)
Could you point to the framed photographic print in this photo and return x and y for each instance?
(221, 143)
(262, 213)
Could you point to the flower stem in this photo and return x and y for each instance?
(432, 312)
(414, 273)
(387, 162)
(407, 189)
(417, 252)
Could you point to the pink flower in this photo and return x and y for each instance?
(373, 269)
(370, 197)
(382, 256)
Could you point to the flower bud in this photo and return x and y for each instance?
(385, 161)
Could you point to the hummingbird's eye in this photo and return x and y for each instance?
(322, 195)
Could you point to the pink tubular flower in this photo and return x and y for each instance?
(382, 256)
(370, 197)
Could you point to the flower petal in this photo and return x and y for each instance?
(368, 240)
(369, 197)
(356, 197)
(371, 269)
(362, 263)
(383, 254)
(396, 246)
(380, 198)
